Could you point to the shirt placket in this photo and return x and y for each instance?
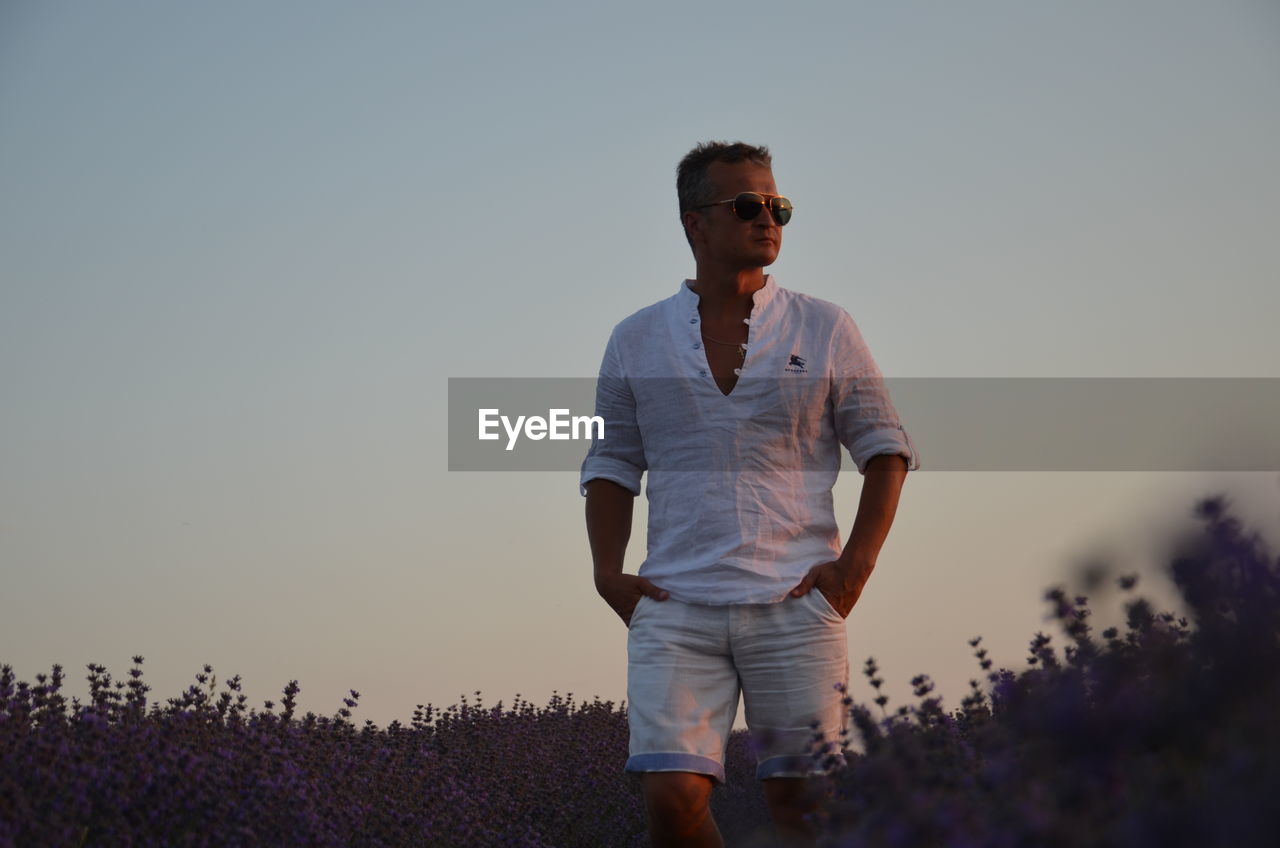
(695, 338)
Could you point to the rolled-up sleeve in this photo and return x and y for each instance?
(865, 421)
(619, 454)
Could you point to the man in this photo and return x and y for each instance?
(736, 395)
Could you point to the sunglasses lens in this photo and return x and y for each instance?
(781, 209)
(748, 205)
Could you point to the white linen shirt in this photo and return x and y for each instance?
(739, 485)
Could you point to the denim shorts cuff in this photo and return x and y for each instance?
(676, 762)
(802, 765)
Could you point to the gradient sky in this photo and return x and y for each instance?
(243, 245)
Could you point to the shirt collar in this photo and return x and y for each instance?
(688, 298)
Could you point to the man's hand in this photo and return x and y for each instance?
(842, 586)
(623, 592)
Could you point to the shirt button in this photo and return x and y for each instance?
(697, 345)
(702, 373)
(737, 371)
(747, 321)
(693, 320)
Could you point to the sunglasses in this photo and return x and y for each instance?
(748, 205)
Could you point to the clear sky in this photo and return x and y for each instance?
(244, 245)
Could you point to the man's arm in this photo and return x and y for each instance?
(610, 481)
(609, 511)
(843, 579)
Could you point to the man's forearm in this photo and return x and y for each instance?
(609, 511)
(881, 486)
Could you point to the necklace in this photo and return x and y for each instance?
(741, 346)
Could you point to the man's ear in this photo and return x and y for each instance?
(693, 224)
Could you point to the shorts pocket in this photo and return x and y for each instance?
(635, 611)
(824, 604)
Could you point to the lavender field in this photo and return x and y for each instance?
(1164, 734)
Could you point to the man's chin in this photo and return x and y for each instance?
(767, 258)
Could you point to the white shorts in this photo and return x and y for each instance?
(687, 664)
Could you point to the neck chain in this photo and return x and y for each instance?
(741, 346)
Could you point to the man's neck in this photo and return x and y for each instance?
(727, 294)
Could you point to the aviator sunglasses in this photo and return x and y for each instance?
(748, 205)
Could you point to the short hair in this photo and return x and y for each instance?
(693, 184)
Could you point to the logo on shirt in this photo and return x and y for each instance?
(795, 365)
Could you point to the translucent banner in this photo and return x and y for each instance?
(955, 424)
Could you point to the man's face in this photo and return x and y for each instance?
(722, 237)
